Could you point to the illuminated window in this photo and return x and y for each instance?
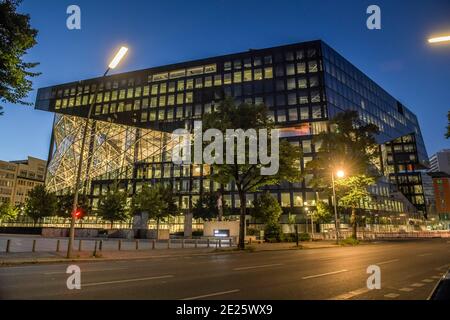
(189, 98)
(171, 100)
(180, 98)
(162, 101)
(160, 76)
(199, 83)
(105, 98)
(194, 71)
(145, 103)
(258, 74)
(298, 199)
(180, 85)
(306, 146)
(154, 89)
(122, 94)
(210, 68)
(113, 96)
(189, 84)
(208, 82)
(163, 88)
(218, 80)
(304, 113)
(301, 67)
(120, 107)
(285, 199)
(137, 104)
(312, 66)
(237, 77)
(316, 112)
(315, 96)
(130, 93)
(58, 104)
(313, 81)
(303, 99)
(227, 65)
(113, 107)
(302, 84)
(153, 102)
(281, 115)
(291, 84)
(177, 74)
(292, 99)
(171, 87)
(248, 75)
(268, 73)
(227, 78)
(237, 64)
(144, 116)
(290, 69)
(293, 114)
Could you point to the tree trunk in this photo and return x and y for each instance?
(354, 224)
(112, 222)
(157, 228)
(242, 221)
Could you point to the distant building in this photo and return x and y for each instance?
(17, 178)
(440, 161)
(441, 183)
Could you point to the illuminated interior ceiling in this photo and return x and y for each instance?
(110, 152)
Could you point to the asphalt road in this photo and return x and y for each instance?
(409, 270)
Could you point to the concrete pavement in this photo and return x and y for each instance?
(409, 270)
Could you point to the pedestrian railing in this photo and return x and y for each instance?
(28, 244)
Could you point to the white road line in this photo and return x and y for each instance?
(424, 254)
(391, 295)
(351, 294)
(324, 274)
(386, 262)
(126, 280)
(427, 280)
(212, 294)
(256, 267)
(406, 289)
(84, 271)
(418, 285)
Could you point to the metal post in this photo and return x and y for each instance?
(119, 245)
(137, 244)
(196, 243)
(78, 176)
(79, 245)
(335, 209)
(153, 244)
(182, 243)
(296, 234)
(168, 244)
(8, 245)
(220, 243)
(207, 243)
(57, 245)
(100, 246)
(33, 249)
(95, 249)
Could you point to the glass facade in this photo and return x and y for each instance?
(303, 85)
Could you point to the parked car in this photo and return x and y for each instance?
(442, 289)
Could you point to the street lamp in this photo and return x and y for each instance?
(339, 174)
(439, 39)
(117, 58)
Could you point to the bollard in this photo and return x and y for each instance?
(57, 245)
(119, 245)
(8, 244)
(220, 243)
(196, 243)
(100, 245)
(79, 245)
(250, 241)
(153, 244)
(94, 254)
(137, 244)
(33, 249)
(207, 243)
(168, 244)
(182, 244)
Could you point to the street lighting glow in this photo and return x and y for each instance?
(439, 39)
(340, 173)
(118, 57)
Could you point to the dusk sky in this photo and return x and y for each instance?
(397, 57)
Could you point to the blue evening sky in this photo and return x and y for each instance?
(160, 32)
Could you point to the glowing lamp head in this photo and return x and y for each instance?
(340, 173)
(118, 57)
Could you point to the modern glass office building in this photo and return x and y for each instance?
(303, 85)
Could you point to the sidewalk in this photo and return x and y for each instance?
(17, 258)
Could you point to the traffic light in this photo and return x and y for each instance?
(78, 213)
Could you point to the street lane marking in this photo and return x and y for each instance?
(212, 294)
(256, 267)
(391, 295)
(351, 294)
(386, 262)
(126, 280)
(97, 270)
(406, 289)
(418, 285)
(324, 274)
(424, 254)
(427, 280)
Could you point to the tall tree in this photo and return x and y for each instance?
(65, 205)
(7, 211)
(16, 37)
(247, 177)
(157, 200)
(349, 145)
(266, 208)
(40, 203)
(206, 207)
(113, 206)
(355, 194)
